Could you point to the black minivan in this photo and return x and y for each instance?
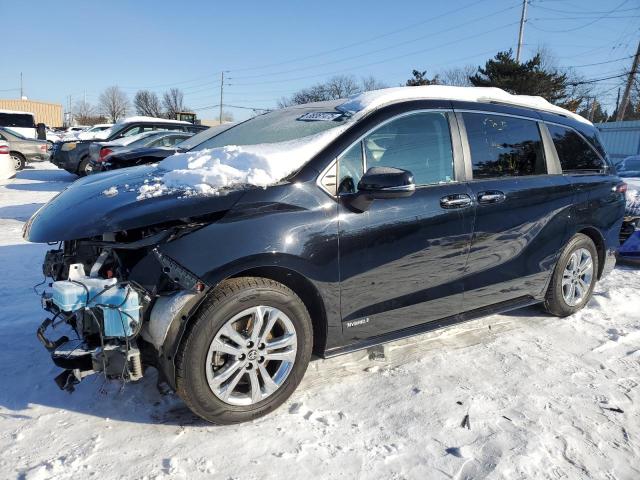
(402, 210)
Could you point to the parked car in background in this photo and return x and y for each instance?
(7, 166)
(130, 157)
(25, 150)
(22, 122)
(74, 155)
(100, 151)
(97, 131)
(326, 228)
(629, 171)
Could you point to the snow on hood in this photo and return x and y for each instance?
(208, 171)
(363, 103)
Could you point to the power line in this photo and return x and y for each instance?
(584, 12)
(596, 80)
(361, 42)
(435, 47)
(599, 63)
(371, 52)
(582, 26)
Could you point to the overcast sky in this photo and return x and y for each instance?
(271, 49)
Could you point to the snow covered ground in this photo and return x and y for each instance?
(545, 397)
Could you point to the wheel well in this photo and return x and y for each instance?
(309, 295)
(597, 239)
(13, 152)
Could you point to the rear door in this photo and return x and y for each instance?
(594, 181)
(522, 207)
(401, 261)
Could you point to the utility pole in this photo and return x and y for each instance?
(523, 19)
(627, 90)
(221, 91)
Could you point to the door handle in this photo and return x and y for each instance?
(458, 200)
(491, 196)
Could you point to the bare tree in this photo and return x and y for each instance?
(173, 102)
(84, 113)
(458, 76)
(342, 86)
(147, 103)
(371, 83)
(114, 103)
(336, 87)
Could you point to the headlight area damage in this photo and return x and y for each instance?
(106, 289)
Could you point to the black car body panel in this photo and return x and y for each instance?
(86, 209)
(402, 266)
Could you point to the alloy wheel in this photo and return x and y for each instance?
(251, 355)
(577, 277)
(17, 162)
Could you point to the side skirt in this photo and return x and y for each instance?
(502, 307)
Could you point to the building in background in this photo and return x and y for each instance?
(621, 139)
(48, 113)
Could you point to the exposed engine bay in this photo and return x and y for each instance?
(103, 292)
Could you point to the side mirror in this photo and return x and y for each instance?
(381, 183)
(387, 182)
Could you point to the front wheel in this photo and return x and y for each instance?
(246, 351)
(574, 277)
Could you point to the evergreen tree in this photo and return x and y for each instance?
(528, 78)
(420, 78)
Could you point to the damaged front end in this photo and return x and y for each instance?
(110, 277)
(105, 293)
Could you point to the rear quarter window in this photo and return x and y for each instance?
(575, 154)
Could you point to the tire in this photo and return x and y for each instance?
(558, 298)
(18, 160)
(82, 168)
(196, 376)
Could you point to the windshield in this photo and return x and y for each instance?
(281, 125)
(629, 167)
(200, 137)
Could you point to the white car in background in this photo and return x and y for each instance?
(7, 167)
(101, 130)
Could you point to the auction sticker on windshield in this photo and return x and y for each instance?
(320, 116)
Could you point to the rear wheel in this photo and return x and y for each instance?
(19, 161)
(246, 351)
(574, 277)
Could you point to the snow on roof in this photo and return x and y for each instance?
(140, 118)
(363, 103)
(16, 112)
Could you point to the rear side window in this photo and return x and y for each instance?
(18, 120)
(575, 154)
(504, 146)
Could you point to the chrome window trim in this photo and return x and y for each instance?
(448, 113)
